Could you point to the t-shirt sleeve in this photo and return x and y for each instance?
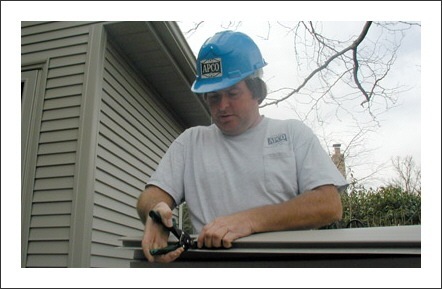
(314, 166)
(169, 175)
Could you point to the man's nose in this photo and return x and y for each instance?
(224, 102)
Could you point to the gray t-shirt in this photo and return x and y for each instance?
(219, 175)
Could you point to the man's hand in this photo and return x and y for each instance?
(224, 230)
(155, 236)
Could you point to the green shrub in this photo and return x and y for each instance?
(386, 206)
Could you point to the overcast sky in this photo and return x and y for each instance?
(402, 133)
(398, 131)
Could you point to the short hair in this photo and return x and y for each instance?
(258, 88)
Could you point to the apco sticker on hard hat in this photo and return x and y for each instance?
(211, 68)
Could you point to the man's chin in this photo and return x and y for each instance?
(229, 130)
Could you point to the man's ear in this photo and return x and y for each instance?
(258, 88)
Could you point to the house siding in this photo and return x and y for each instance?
(63, 47)
(134, 133)
(98, 132)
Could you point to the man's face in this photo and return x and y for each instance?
(234, 110)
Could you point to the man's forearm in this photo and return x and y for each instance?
(311, 209)
(149, 198)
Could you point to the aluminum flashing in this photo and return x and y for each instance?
(356, 247)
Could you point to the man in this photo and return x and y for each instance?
(245, 173)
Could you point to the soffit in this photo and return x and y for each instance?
(160, 53)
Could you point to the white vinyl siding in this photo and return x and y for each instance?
(95, 129)
(134, 133)
(63, 46)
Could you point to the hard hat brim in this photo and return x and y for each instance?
(202, 86)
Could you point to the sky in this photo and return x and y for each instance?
(370, 159)
(401, 133)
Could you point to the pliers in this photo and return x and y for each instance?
(184, 239)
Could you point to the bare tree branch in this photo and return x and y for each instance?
(353, 46)
(193, 29)
(343, 77)
(409, 174)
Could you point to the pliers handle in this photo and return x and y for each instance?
(184, 239)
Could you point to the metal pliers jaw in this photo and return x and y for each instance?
(184, 239)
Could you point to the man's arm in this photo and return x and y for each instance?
(149, 198)
(154, 198)
(312, 209)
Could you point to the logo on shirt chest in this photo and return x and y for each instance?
(277, 139)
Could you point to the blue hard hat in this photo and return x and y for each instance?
(225, 59)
